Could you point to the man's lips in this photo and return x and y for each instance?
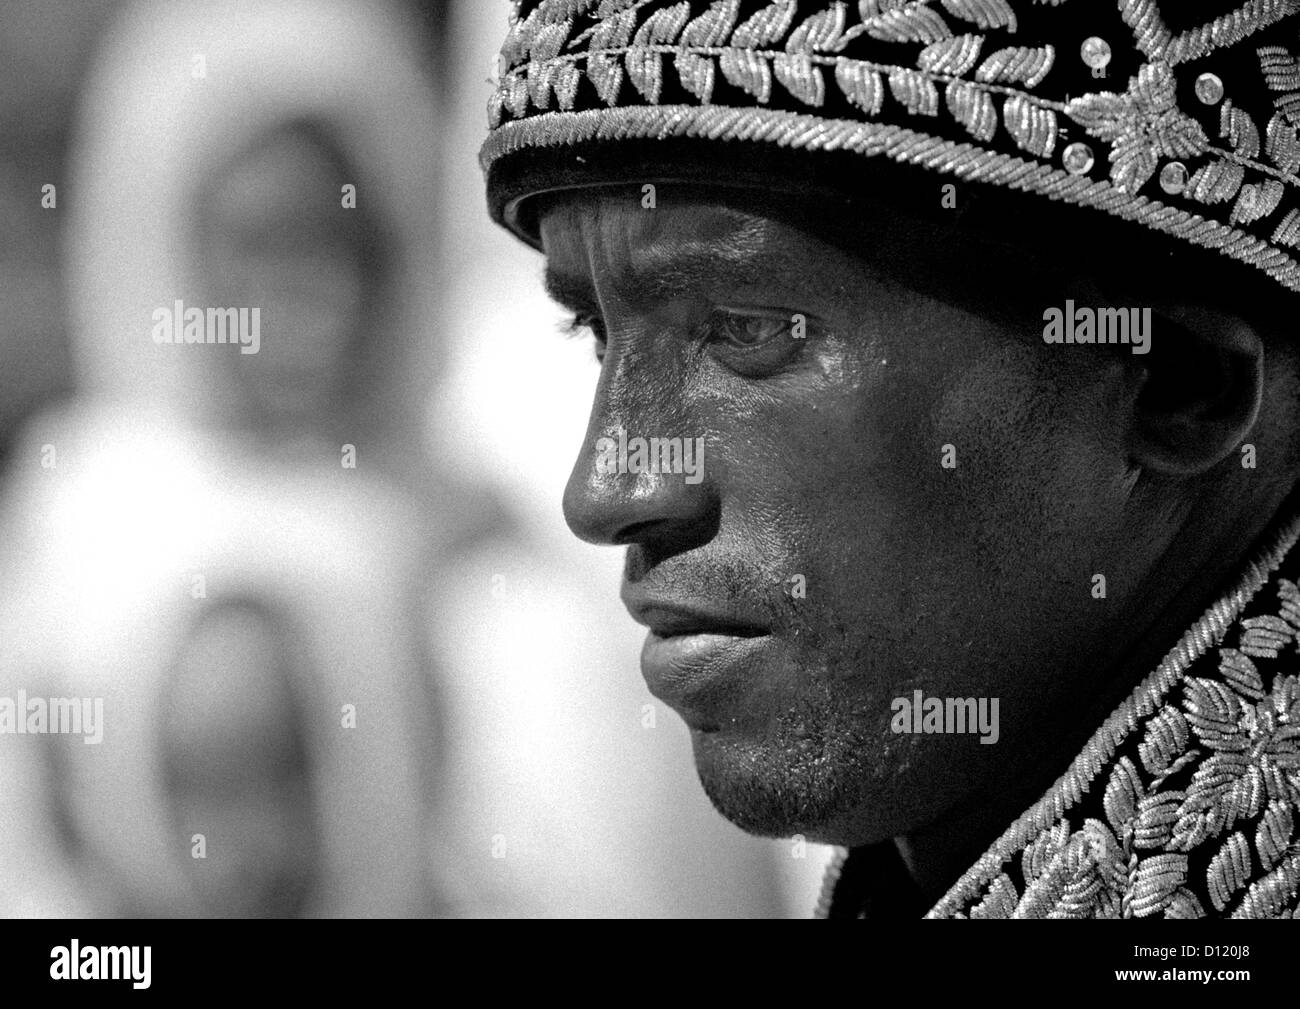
(702, 677)
(695, 659)
(666, 620)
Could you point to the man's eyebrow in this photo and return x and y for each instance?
(662, 276)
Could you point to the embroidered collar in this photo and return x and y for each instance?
(1182, 805)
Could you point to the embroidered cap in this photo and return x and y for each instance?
(1182, 118)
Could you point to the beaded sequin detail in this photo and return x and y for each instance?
(966, 60)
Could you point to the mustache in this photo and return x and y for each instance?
(725, 580)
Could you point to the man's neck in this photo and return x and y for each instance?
(1199, 566)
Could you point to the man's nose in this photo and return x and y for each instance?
(639, 482)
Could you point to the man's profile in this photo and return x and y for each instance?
(1011, 616)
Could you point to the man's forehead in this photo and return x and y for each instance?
(683, 242)
(633, 225)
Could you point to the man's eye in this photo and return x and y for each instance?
(745, 331)
(755, 342)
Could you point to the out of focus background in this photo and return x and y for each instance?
(347, 658)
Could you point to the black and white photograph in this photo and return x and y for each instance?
(652, 459)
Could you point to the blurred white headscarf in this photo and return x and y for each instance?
(151, 130)
(105, 544)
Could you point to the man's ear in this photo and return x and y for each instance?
(1195, 395)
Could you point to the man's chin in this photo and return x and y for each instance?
(772, 789)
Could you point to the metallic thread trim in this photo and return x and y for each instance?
(832, 876)
(810, 132)
(1072, 785)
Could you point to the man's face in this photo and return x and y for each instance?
(824, 561)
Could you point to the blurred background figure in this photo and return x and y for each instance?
(230, 548)
(351, 661)
(44, 51)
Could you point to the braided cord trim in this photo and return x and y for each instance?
(963, 160)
